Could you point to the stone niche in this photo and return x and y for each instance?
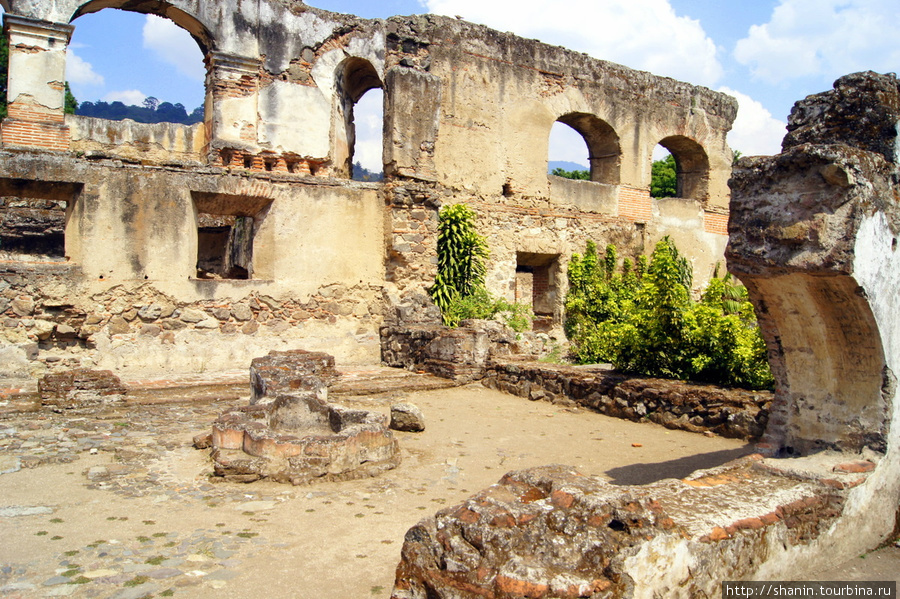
(290, 432)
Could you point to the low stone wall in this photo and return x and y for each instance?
(488, 352)
(735, 413)
(462, 354)
(550, 532)
(59, 324)
(156, 143)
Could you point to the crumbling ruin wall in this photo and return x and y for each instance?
(814, 235)
(130, 297)
(255, 202)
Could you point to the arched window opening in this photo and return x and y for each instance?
(368, 151)
(603, 152)
(691, 166)
(568, 154)
(361, 115)
(157, 79)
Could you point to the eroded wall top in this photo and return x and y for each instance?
(467, 106)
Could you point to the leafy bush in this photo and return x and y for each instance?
(462, 253)
(458, 288)
(642, 319)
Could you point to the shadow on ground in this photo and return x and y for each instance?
(642, 474)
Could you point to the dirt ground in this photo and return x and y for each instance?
(120, 505)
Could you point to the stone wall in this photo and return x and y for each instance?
(258, 197)
(497, 357)
(128, 294)
(735, 413)
(134, 328)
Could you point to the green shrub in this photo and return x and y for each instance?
(462, 253)
(482, 305)
(642, 319)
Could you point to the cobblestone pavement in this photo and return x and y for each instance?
(130, 452)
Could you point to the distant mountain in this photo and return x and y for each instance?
(566, 166)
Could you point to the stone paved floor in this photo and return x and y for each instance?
(115, 503)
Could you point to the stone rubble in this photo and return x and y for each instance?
(407, 417)
(290, 433)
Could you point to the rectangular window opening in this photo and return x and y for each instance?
(226, 231)
(33, 219)
(536, 286)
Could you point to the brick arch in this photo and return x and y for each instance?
(356, 76)
(190, 23)
(604, 151)
(692, 166)
(4, 4)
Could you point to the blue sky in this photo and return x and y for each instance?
(767, 53)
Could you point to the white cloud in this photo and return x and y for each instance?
(642, 34)
(824, 39)
(368, 116)
(175, 46)
(756, 132)
(567, 145)
(81, 72)
(129, 97)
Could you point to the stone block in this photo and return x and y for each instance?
(80, 388)
(290, 433)
(407, 417)
(289, 372)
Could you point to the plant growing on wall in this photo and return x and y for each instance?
(458, 288)
(462, 253)
(642, 319)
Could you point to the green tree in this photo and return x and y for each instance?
(664, 178)
(576, 174)
(71, 103)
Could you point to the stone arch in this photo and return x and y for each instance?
(4, 4)
(604, 152)
(354, 77)
(186, 21)
(692, 167)
(827, 354)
